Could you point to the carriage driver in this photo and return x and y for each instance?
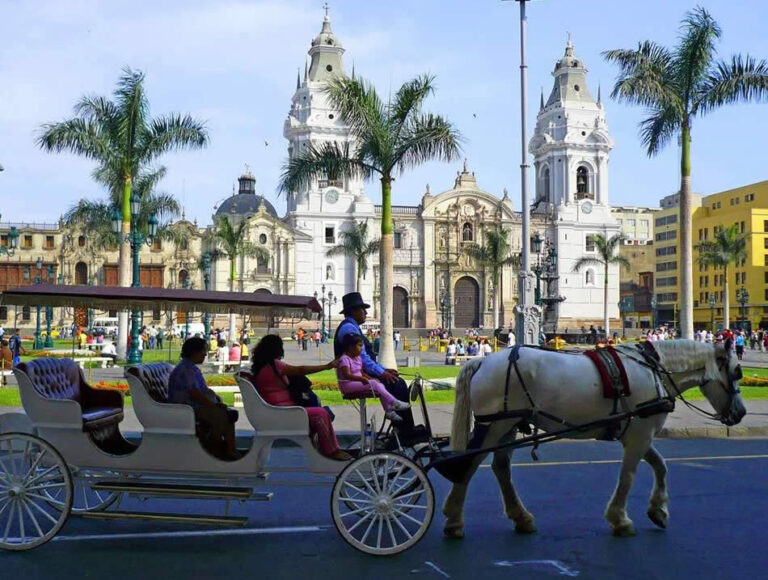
(187, 386)
(355, 312)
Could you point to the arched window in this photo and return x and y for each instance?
(330, 272)
(184, 245)
(81, 273)
(81, 241)
(467, 232)
(545, 184)
(581, 180)
(589, 277)
(262, 265)
(183, 278)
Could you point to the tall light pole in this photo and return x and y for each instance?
(49, 313)
(742, 295)
(527, 313)
(38, 345)
(136, 239)
(206, 283)
(712, 302)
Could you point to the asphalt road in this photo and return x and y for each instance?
(719, 503)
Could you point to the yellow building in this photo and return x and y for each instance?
(747, 207)
(666, 241)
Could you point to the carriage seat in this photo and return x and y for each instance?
(154, 378)
(63, 379)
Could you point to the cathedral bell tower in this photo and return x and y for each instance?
(571, 147)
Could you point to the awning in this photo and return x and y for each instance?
(273, 306)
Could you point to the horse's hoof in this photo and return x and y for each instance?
(659, 516)
(525, 527)
(453, 533)
(625, 530)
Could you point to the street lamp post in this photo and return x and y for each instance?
(742, 295)
(38, 344)
(185, 285)
(206, 283)
(48, 314)
(712, 302)
(537, 269)
(527, 313)
(136, 239)
(332, 300)
(654, 305)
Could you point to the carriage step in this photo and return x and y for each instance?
(180, 490)
(164, 517)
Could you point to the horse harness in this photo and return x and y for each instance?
(663, 403)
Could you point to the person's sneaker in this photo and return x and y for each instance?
(340, 455)
(393, 416)
(400, 406)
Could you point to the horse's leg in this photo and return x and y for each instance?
(513, 507)
(658, 510)
(636, 443)
(453, 508)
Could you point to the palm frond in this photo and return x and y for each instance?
(729, 245)
(657, 130)
(172, 133)
(743, 79)
(77, 135)
(358, 104)
(333, 159)
(695, 49)
(644, 76)
(584, 261)
(409, 100)
(132, 102)
(425, 138)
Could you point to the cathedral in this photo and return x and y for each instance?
(437, 283)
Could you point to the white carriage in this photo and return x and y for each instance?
(68, 456)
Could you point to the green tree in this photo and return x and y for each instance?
(235, 244)
(355, 244)
(124, 141)
(607, 254)
(728, 246)
(678, 85)
(494, 255)
(388, 138)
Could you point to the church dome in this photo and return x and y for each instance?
(246, 202)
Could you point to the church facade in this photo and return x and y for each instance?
(437, 283)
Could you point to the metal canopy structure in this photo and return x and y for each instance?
(117, 298)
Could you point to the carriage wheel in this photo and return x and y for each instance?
(382, 503)
(30, 469)
(84, 499)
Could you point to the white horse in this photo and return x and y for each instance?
(568, 386)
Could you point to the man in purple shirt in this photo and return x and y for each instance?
(187, 386)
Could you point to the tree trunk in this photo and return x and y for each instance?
(686, 247)
(232, 272)
(726, 301)
(386, 277)
(359, 278)
(124, 270)
(606, 320)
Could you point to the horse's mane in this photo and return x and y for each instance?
(681, 355)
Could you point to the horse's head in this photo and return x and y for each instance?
(723, 392)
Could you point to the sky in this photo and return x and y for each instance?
(233, 63)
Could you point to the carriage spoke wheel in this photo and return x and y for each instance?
(84, 498)
(30, 470)
(382, 503)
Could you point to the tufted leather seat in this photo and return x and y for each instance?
(62, 378)
(154, 377)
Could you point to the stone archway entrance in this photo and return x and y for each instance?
(400, 317)
(466, 303)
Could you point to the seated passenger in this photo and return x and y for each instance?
(186, 386)
(270, 375)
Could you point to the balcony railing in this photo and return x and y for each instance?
(402, 209)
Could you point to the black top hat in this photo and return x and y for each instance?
(353, 300)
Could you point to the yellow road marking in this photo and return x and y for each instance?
(609, 461)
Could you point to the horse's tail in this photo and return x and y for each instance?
(462, 411)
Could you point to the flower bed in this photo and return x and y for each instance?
(754, 382)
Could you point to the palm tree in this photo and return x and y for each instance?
(677, 86)
(388, 139)
(355, 244)
(124, 141)
(495, 254)
(235, 244)
(728, 246)
(606, 255)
